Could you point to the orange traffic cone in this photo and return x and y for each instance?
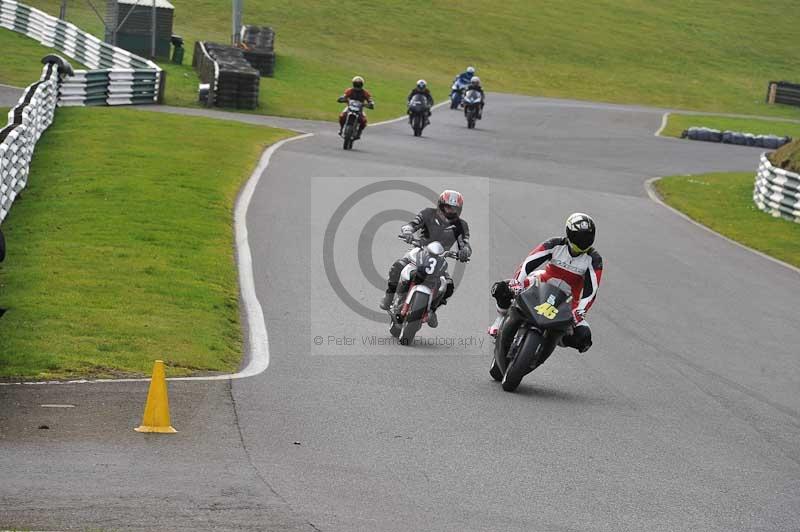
(156, 411)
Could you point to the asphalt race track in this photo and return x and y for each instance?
(685, 415)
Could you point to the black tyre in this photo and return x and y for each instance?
(348, 135)
(413, 321)
(418, 125)
(395, 329)
(523, 361)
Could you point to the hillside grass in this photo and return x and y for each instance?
(787, 156)
(677, 123)
(120, 251)
(707, 56)
(724, 203)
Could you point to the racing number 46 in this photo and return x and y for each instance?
(547, 310)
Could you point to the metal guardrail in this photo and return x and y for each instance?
(118, 77)
(26, 122)
(777, 191)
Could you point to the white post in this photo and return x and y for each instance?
(236, 22)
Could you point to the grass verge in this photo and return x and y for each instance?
(677, 123)
(24, 65)
(680, 54)
(120, 251)
(724, 203)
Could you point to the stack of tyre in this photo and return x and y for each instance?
(237, 82)
(259, 43)
(771, 142)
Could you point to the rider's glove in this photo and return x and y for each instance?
(407, 233)
(464, 253)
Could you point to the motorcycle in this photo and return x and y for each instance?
(457, 92)
(418, 113)
(422, 286)
(352, 121)
(472, 102)
(537, 320)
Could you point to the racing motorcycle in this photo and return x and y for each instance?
(537, 320)
(457, 92)
(422, 286)
(418, 113)
(352, 121)
(472, 104)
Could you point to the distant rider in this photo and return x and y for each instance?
(464, 78)
(571, 259)
(422, 88)
(356, 92)
(475, 85)
(442, 224)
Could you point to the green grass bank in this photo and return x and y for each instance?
(120, 251)
(707, 56)
(724, 203)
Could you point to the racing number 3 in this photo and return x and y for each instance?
(431, 266)
(547, 310)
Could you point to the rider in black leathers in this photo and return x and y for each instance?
(442, 224)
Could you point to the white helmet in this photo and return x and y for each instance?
(421, 84)
(470, 70)
(475, 81)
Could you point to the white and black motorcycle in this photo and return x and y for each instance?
(422, 286)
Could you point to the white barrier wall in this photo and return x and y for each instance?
(777, 191)
(26, 122)
(118, 77)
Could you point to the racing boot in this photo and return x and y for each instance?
(433, 321)
(386, 302)
(494, 328)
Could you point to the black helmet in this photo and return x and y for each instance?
(580, 232)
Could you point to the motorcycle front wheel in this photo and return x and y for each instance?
(523, 360)
(413, 320)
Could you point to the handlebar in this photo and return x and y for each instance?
(417, 243)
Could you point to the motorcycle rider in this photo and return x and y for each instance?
(422, 88)
(442, 224)
(356, 92)
(475, 85)
(465, 77)
(571, 259)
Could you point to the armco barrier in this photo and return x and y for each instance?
(777, 191)
(118, 77)
(26, 122)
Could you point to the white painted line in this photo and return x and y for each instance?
(258, 355)
(12, 87)
(651, 191)
(398, 119)
(664, 120)
(57, 406)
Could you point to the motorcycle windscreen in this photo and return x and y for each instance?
(547, 305)
(418, 101)
(473, 96)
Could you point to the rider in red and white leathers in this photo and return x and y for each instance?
(571, 259)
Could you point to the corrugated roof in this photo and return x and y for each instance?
(148, 3)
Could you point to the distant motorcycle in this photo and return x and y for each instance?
(352, 121)
(422, 286)
(457, 92)
(540, 316)
(472, 102)
(418, 113)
